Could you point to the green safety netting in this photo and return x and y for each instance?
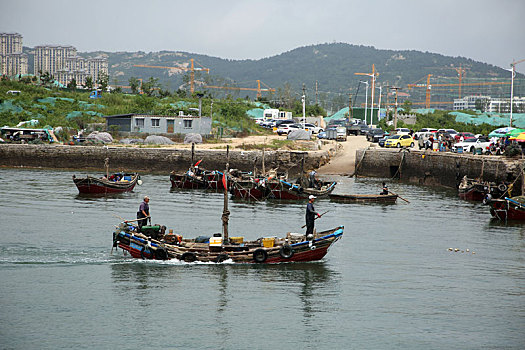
(8, 106)
(424, 110)
(256, 113)
(496, 119)
(261, 105)
(181, 104)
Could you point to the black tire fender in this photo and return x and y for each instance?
(260, 255)
(188, 257)
(286, 251)
(161, 254)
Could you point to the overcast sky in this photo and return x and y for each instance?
(491, 31)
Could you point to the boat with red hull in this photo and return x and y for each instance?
(474, 190)
(292, 248)
(116, 183)
(279, 189)
(506, 209)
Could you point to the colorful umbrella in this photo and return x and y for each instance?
(501, 132)
(515, 132)
(519, 138)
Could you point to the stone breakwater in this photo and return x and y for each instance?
(436, 168)
(155, 160)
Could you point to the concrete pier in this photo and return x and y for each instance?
(436, 168)
(155, 160)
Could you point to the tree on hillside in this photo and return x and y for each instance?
(407, 106)
(134, 85)
(46, 78)
(72, 85)
(150, 86)
(88, 84)
(103, 81)
(481, 104)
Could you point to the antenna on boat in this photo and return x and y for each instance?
(225, 212)
(106, 165)
(192, 153)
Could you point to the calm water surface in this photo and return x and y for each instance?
(390, 283)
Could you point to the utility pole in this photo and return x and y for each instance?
(379, 104)
(350, 116)
(513, 70)
(316, 93)
(304, 107)
(366, 99)
(395, 88)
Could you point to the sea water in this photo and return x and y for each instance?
(391, 282)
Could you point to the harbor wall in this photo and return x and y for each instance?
(156, 160)
(436, 168)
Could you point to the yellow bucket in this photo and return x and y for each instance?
(268, 242)
(237, 240)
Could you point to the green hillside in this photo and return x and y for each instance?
(332, 66)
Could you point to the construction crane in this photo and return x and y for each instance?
(258, 89)
(129, 87)
(192, 70)
(429, 86)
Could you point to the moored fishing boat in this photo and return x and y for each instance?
(115, 183)
(507, 208)
(474, 190)
(364, 198)
(279, 189)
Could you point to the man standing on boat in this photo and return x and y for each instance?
(143, 212)
(310, 217)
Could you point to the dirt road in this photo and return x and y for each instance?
(344, 161)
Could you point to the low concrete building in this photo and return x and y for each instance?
(160, 124)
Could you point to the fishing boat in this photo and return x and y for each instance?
(364, 198)
(262, 188)
(152, 242)
(507, 208)
(115, 183)
(474, 190)
(291, 248)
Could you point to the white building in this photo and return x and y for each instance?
(64, 65)
(468, 102)
(272, 113)
(493, 105)
(13, 61)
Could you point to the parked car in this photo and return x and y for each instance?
(399, 141)
(466, 136)
(423, 140)
(284, 129)
(341, 133)
(313, 128)
(321, 135)
(483, 144)
(402, 131)
(382, 141)
(282, 122)
(422, 131)
(469, 145)
(374, 135)
(451, 132)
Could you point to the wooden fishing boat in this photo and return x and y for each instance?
(292, 248)
(364, 198)
(507, 208)
(279, 189)
(115, 183)
(474, 190)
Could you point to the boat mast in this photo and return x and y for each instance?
(226, 212)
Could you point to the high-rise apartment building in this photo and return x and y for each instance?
(64, 65)
(13, 61)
